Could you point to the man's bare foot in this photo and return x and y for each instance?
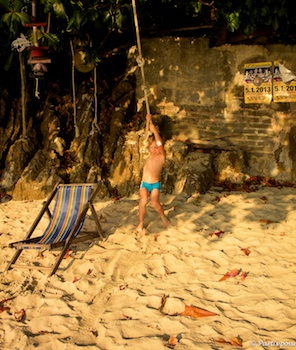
(140, 229)
(166, 221)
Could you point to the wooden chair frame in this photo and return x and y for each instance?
(81, 236)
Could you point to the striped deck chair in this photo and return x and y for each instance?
(66, 221)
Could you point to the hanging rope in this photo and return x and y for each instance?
(95, 125)
(140, 59)
(35, 40)
(73, 90)
(23, 94)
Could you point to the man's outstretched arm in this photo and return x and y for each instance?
(157, 137)
(148, 121)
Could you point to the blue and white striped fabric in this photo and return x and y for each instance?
(70, 202)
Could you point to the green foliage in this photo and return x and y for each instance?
(45, 39)
(253, 14)
(99, 17)
(105, 22)
(59, 9)
(47, 4)
(14, 17)
(95, 15)
(233, 21)
(196, 5)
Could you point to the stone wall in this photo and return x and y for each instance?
(198, 92)
(197, 96)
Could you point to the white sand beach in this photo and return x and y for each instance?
(230, 253)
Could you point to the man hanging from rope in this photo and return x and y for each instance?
(150, 184)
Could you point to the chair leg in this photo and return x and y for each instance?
(96, 220)
(14, 259)
(57, 264)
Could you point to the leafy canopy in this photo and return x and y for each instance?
(108, 24)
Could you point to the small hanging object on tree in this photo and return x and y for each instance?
(38, 56)
(38, 59)
(21, 43)
(83, 62)
(39, 69)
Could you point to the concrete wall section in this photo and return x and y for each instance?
(199, 91)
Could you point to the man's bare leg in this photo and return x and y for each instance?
(144, 194)
(158, 207)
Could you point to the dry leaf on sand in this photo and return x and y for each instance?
(4, 308)
(196, 312)
(19, 315)
(236, 341)
(246, 251)
(244, 275)
(172, 342)
(218, 233)
(68, 253)
(229, 274)
(266, 221)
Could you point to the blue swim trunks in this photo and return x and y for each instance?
(149, 187)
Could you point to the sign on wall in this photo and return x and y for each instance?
(258, 82)
(284, 84)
